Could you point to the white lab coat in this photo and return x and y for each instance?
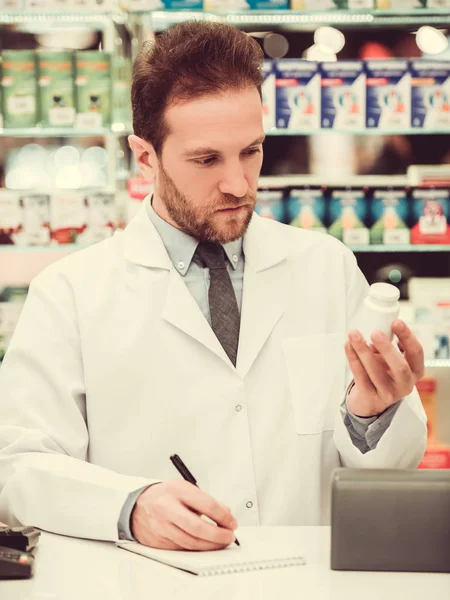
(113, 368)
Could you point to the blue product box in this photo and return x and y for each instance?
(268, 4)
(297, 94)
(306, 209)
(268, 95)
(390, 213)
(343, 86)
(430, 81)
(348, 214)
(269, 204)
(388, 89)
(183, 4)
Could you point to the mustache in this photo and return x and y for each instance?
(231, 201)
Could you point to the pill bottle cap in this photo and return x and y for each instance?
(384, 292)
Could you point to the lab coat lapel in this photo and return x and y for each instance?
(144, 246)
(264, 291)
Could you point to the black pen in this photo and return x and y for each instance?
(187, 475)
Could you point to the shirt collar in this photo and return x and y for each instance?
(181, 246)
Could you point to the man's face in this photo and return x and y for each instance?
(206, 177)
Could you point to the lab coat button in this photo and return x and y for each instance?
(238, 407)
(235, 258)
(249, 504)
(122, 535)
(181, 265)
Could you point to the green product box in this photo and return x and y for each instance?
(19, 88)
(93, 89)
(56, 88)
(121, 92)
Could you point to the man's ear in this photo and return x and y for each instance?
(145, 156)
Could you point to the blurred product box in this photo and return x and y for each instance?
(225, 5)
(269, 204)
(306, 208)
(56, 88)
(268, 90)
(182, 4)
(388, 94)
(431, 216)
(438, 3)
(35, 220)
(69, 5)
(437, 455)
(19, 88)
(297, 94)
(93, 89)
(387, 4)
(12, 299)
(343, 95)
(389, 210)
(101, 218)
(11, 5)
(121, 76)
(10, 216)
(67, 216)
(317, 4)
(361, 4)
(349, 212)
(430, 81)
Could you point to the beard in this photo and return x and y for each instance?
(205, 223)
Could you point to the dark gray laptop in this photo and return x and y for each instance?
(390, 520)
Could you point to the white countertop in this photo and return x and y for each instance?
(74, 569)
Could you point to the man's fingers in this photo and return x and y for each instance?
(377, 375)
(400, 370)
(195, 527)
(411, 346)
(357, 368)
(200, 501)
(182, 539)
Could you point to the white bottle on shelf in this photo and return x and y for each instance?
(381, 308)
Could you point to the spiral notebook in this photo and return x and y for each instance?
(253, 554)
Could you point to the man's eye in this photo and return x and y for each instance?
(205, 161)
(252, 151)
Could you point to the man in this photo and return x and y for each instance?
(201, 330)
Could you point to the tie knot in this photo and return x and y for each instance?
(212, 255)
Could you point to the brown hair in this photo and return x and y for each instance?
(185, 62)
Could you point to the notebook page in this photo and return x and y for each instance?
(252, 554)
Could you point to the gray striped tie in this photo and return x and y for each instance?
(225, 318)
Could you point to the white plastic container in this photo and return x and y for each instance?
(381, 308)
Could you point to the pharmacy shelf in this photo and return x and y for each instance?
(443, 363)
(354, 248)
(374, 131)
(307, 20)
(282, 181)
(60, 17)
(401, 248)
(45, 132)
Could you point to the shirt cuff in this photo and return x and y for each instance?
(366, 432)
(124, 525)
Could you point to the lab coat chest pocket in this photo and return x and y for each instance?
(316, 376)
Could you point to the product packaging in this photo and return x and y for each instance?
(437, 454)
(343, 86)
(35, 221)
(402, 4)
(268, 4)
(380, 309)
(348, 213)
(269, 204)
(268, 95)
(390, 212)
(100, 218)
(56, 88)
(121, 70)
(226, 5)
(19, 88)
(67, 216)
(297, 94)
(438, 3)
(430, 90)
(11, 5)
(183, 4)
(93, 89)
(306, 209)
(317, 4)
(361, 4)
(388, 91)
(431, 216)
(10, 217)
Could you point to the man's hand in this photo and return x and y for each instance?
(166, 515)
(382, 374)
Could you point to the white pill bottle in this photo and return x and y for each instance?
(381, 308)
